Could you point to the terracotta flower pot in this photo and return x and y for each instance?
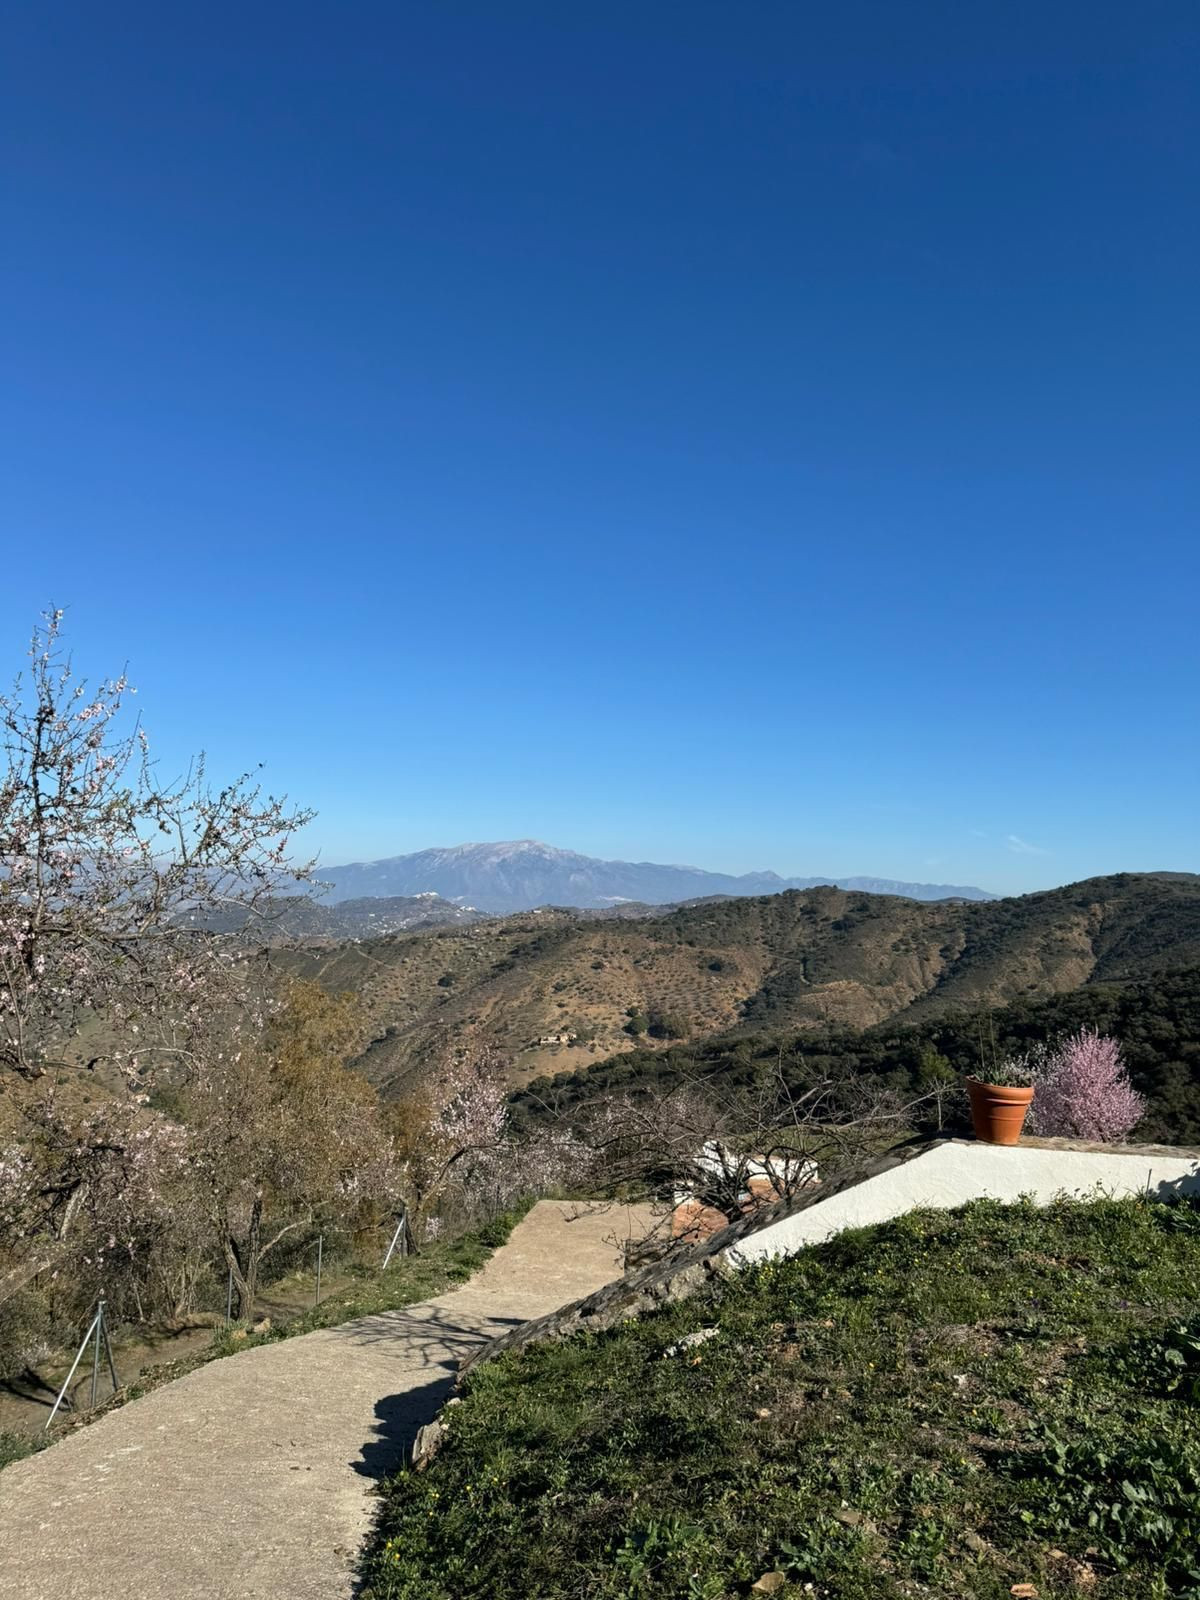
(997, 1111)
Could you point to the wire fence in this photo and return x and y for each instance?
(334, 1256)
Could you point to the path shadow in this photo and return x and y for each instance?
(31, 1386)
(397, 1419)
(423, 1335)
(431, 1342)
(438, 1341)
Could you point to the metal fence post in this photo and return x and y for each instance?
(67, 1380)
(97, 1330)
(112, 1365)
(320, 1248)
(229, 1298)
(99, 1323)
(403, 1216)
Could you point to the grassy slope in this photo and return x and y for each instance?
(795, 960)
(948, 1406)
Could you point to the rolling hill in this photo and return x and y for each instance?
(1156, 1020)
(555, 990)
(522, 874)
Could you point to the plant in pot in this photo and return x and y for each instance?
(1000, 1097)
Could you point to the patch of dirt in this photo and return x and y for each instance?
(26, 1401)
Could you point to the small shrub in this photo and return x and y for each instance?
(26, 1332)
(1160, 1366)
(1139, 1501)
(15, 1447)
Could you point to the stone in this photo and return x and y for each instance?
(428, 1442)
(690, 1340)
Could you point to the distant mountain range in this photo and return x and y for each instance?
(523, 874)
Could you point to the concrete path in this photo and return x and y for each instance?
(249, 1479)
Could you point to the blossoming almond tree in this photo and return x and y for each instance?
(458, 1152)
(108, 875)
(447, 1130)
(1084, 1092)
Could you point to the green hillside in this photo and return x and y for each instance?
(1156, 1019)
(951, 1405)
(557, 991)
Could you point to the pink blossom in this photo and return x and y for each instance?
(112, 874)
(1084, 1092)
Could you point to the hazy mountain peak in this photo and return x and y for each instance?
(519, 874)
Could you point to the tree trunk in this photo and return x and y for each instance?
(253, 1254)
(414, 1216)
(242, 1298)
(242, 1258)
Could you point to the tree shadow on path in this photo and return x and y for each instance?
(431, 1343)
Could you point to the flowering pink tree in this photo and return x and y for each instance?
(458, 1152)
(1083, 1091)
(95, 1177)
(109, 878)
(91, 1198)
(447, 1132)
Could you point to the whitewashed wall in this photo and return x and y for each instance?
(952, 1173)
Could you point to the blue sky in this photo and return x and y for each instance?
(756, 436)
